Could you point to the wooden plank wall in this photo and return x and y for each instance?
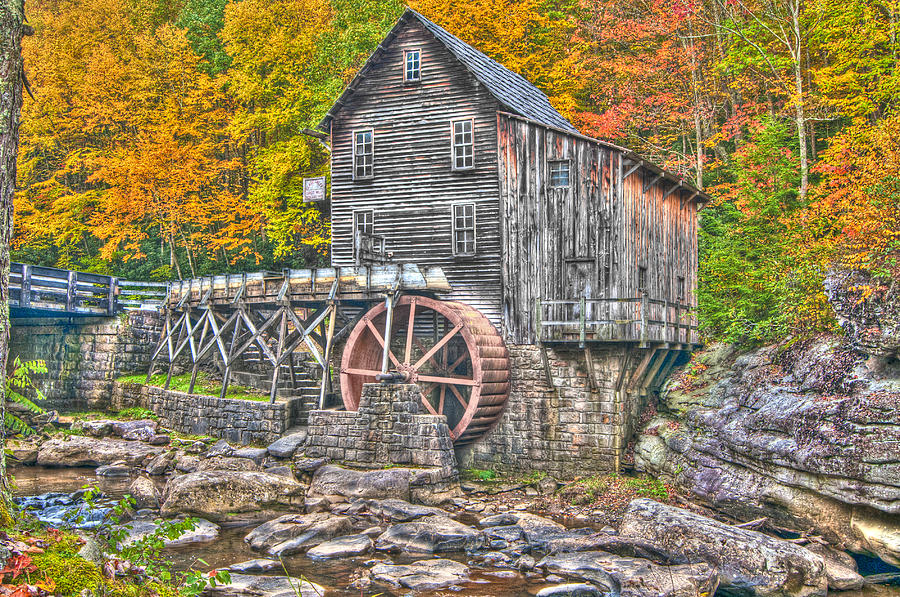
(591, 238)
(414, 185)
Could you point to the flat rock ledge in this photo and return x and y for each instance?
(245, 585)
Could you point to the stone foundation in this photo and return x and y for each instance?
(387, 431)
(238, 421)
(565, 428)
(84, 355)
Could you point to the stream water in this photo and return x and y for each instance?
(230, 548)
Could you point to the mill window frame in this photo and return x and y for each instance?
(462, 144)
(412, 66)
(363, 154)
(363, 224)
(642, 280)
(465, 228)
(559, 174)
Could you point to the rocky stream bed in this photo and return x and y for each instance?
(268, 512)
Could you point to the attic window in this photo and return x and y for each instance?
(363, 154)
(559, 174)
(463, 145)
(412, 71)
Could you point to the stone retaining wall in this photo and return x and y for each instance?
(387, 430)
(85, 355)
(238, 421)
(566, 429)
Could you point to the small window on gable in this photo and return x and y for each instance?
(642, 280)
(412, 70)
(463, 145)
(363, 154)
(680, 289)
(464, 229)
(559, 174)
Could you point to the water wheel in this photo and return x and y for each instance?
(449, 349)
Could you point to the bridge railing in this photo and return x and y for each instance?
(41, 288)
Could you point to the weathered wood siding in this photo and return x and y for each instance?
(591, 238)
(414, 186)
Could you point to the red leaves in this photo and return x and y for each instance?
(17, 565)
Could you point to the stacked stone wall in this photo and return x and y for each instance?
(564, 428)
(85, 355)
(238, 421)
(387, 431)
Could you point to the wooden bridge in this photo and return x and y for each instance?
(38, 291)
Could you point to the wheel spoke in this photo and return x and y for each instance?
(441, 401)
(458, 362)
(428, 405)
(409, 331)
(425, 350)
(380, 340)
(460, 381)
(459, 397)
(438, 346)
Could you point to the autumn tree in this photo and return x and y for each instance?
(12, 29)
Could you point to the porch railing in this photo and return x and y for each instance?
(640, 319)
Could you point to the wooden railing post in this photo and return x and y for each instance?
(582, 322)
(537, 319)
(25, 293)
(113, 293)
(71, 288)
(645, 317)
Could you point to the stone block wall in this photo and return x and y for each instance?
(85, 355)
(565, 428)
(387, 430)
(238, 421)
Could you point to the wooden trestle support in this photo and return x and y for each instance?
(450, 349)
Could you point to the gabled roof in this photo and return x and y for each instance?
(512, 91)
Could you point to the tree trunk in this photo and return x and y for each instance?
(12, 28)
(800, 112)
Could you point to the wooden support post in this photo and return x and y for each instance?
(329, 344)
(537, 320)
(226, 378)
(71, 292)
(113, 293)
(388, 322)
(25, 293)
(279, 351)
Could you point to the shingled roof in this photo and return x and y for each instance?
(512, 91)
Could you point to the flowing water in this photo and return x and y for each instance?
(48, 493)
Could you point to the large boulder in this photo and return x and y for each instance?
(867, 309)
(395, 510)
(424, 575)
(203, 531)
(333, 481)
(342, 547)
(245, 585)
(144, 492)
(430, 534)
(219, 495)
(287, 445)
(536, 530)
(748, 562)
(90, 451)
(632, 577)
(294, 533)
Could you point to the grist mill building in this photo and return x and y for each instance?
(581, 255)
(536, 285)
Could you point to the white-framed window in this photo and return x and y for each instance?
(412, 66)
(363, 153)
(559, 174)
(463, 150)
(463, 228)
(363, 229)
